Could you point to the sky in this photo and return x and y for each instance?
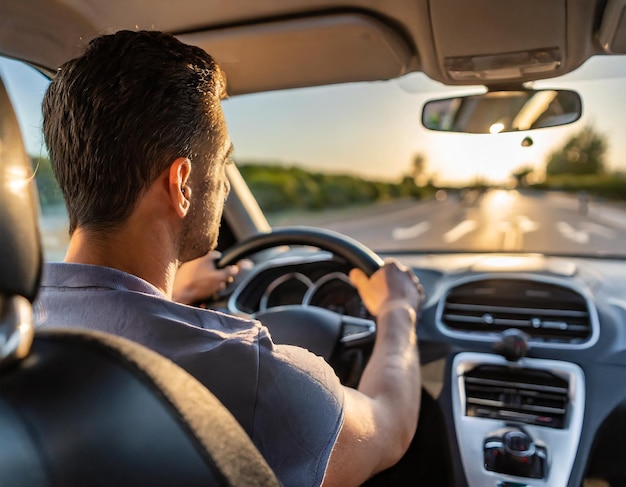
(26, 88)
(374, 130)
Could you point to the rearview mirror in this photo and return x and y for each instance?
(503, 111)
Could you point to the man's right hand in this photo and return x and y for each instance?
(380, 418)
(392, 283)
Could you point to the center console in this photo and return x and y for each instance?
(517, 423)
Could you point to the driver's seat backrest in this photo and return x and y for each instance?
(80, 408)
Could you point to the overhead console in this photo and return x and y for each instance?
(524, 41)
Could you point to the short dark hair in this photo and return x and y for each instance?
(116, 117)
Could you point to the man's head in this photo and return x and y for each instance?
(121, 114)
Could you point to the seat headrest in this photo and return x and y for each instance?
(20, 249)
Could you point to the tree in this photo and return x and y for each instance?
(418, 169)
(521, 176)
(583, 153)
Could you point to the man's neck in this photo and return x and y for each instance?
(144, 252)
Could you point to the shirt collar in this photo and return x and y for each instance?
(63, 274)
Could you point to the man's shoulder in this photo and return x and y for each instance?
(119, 303)
(300, 366)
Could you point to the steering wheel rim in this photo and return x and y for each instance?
(354, 252)
(293, 324)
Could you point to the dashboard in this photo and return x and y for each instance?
(307, 281)
(550, 414)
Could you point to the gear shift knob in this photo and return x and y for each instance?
(513, 345)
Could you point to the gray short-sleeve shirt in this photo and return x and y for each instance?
(288, 400)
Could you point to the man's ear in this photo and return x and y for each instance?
(179, 190)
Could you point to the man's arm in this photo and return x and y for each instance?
(380, 418)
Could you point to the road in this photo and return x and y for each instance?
(497, 220)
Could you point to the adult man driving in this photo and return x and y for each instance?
(139, 145)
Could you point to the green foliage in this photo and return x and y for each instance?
(580, 165)
(608, 185)
(47, 187)
(279, 188)
(583, 153)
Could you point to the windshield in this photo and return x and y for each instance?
(356, 159)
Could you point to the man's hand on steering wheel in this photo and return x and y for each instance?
(394, 285)
(199, 280)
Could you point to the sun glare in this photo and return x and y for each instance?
(496, 128)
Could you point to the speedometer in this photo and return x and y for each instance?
(288, 289)
(336, 293)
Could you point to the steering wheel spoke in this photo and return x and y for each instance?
(310, 327)
(357, 332)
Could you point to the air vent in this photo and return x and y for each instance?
(546, 312)
(529, 396)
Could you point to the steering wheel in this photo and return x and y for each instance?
(317, 329)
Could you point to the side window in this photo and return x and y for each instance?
(26, 87)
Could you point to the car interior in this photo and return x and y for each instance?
(522, 345)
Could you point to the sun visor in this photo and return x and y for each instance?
(301, 52)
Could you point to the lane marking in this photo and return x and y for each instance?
(599, 230)
(526, 225)
(415, 231)
(462, 229)
(570, 233)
